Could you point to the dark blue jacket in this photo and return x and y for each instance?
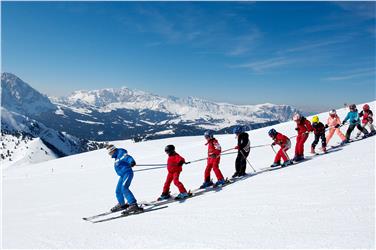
(123, 161)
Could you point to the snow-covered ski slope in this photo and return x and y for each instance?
(325, 202)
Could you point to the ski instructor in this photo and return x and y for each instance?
(123, 167)
(243, 147)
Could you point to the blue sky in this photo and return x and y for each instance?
(314, 55)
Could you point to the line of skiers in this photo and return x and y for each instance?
(124, 162)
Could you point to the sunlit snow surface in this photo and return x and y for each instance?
(326, 202)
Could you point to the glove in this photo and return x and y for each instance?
(213, 156)
(297, 129)
(337, 126)
(237, 147)
(326, 126)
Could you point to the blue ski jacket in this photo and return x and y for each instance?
(353, 117)
(123, 162)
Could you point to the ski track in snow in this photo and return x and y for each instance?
(326, 202)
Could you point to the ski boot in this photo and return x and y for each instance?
(219, 183)
(365, 136)
(275, 164)
(206, 184)
(343, 142)
(133, 209)
(299, 158)
(286, 163)
(236, 174)
(324, 150)
(119, 207)
(164, 196)
(182, 196)
(313, 150)
(242, 174)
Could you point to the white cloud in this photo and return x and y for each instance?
(352, 74)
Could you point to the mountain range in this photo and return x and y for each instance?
(113, 114)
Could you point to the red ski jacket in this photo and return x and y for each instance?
(281, 140)
(303, 126)
(175, 163)
(367, 116)
(214, 149)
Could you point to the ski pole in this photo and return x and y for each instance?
(273, 149)
(259, 146)
(227, 150)
(146, 169)
(247, 160)
(150, 165)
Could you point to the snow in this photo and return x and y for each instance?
(89, 122)
(186, 109)
(325, 202)
(24, 152)
(165, 132)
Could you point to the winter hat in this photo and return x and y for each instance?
(110, 149)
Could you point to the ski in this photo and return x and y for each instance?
(169, 200)
(98, 215)
(146, 210)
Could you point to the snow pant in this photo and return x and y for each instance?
(351, 128)
(299, 147)
(331, 133)
(369, 125)
(282, 153)
(241, 162)
(173, 176)
(122, 189)
(317, 138)
(213, 163)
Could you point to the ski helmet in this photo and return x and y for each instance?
(366, 107)
(169, 149)
(238, 130)
(315, 119)
(272, 133)
(352, 106)
(209, 134)
(296, 117)
(332, 112)
(111, 149)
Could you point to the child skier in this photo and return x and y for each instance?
(333, 123)
(214, 157)
(367, 120)
(303, 128)
(354, 120)
(123, 167)
(319, 131)
(174, 168)
(285, 143)
(243, 147)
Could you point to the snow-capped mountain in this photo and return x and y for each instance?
(188, 109)
(113, 114)
(18, 96)
(59, 143)
(21, 149)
